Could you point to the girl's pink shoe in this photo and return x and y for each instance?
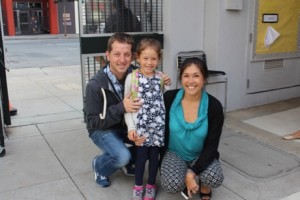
(150, 192)
(137, 193)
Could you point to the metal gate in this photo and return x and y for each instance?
(4, 101)
(94, 19)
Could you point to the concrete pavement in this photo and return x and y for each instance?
(41, 51)
(49, 153)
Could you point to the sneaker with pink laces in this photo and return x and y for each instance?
(150, 192)
(137, 193)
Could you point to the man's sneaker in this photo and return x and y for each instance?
(137, 193)
(128, 170)
(150, 192)
(102, 181)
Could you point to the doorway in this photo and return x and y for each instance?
(30, 18)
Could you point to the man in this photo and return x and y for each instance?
(121, 19)
(105, 107)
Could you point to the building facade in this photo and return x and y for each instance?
(29, 17)
(232, 35)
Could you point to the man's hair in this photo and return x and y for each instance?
(121, 38)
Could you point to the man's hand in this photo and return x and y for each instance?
(131, 105)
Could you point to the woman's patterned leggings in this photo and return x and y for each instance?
(174, 168)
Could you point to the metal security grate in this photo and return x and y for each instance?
(99, 19)
(108, 16)
(184, 55)
(93, 63)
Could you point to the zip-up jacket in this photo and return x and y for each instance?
(103, 108)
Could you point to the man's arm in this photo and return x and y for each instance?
(166, 79)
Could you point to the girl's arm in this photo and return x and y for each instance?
(129, 116)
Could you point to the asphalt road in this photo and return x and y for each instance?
(42, 52)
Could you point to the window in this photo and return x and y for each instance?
(108, 16)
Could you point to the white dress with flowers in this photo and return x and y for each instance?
(151, 116)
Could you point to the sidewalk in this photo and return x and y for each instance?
(49, 154)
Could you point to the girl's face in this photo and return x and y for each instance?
(192, 80)
(148, 60)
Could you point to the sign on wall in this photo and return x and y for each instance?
(276, 30)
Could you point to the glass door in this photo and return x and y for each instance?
(24, 22)
(17, 21)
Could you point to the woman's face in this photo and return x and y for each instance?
(192, 80)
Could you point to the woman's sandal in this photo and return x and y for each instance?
(204, 196)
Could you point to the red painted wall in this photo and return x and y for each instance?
(8, 12)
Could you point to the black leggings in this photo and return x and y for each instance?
(142, 155)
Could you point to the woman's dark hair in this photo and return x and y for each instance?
(201, 64)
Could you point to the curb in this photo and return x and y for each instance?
(43, 36)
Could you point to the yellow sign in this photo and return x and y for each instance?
(277, 26)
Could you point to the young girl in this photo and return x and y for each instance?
(149, 122)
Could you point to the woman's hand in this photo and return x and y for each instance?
(191, 183)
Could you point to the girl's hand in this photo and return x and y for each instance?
(139, 140)
(132, 135)
(191, 183)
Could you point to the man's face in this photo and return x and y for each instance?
(120, 58)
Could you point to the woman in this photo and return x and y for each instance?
(194, 121)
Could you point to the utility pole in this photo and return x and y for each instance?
(65, 18)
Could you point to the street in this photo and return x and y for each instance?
(44, 52)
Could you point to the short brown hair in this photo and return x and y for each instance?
(146, 43)
(122, 38)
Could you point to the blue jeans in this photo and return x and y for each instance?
(115, 153)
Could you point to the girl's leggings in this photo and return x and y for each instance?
(142, 155)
